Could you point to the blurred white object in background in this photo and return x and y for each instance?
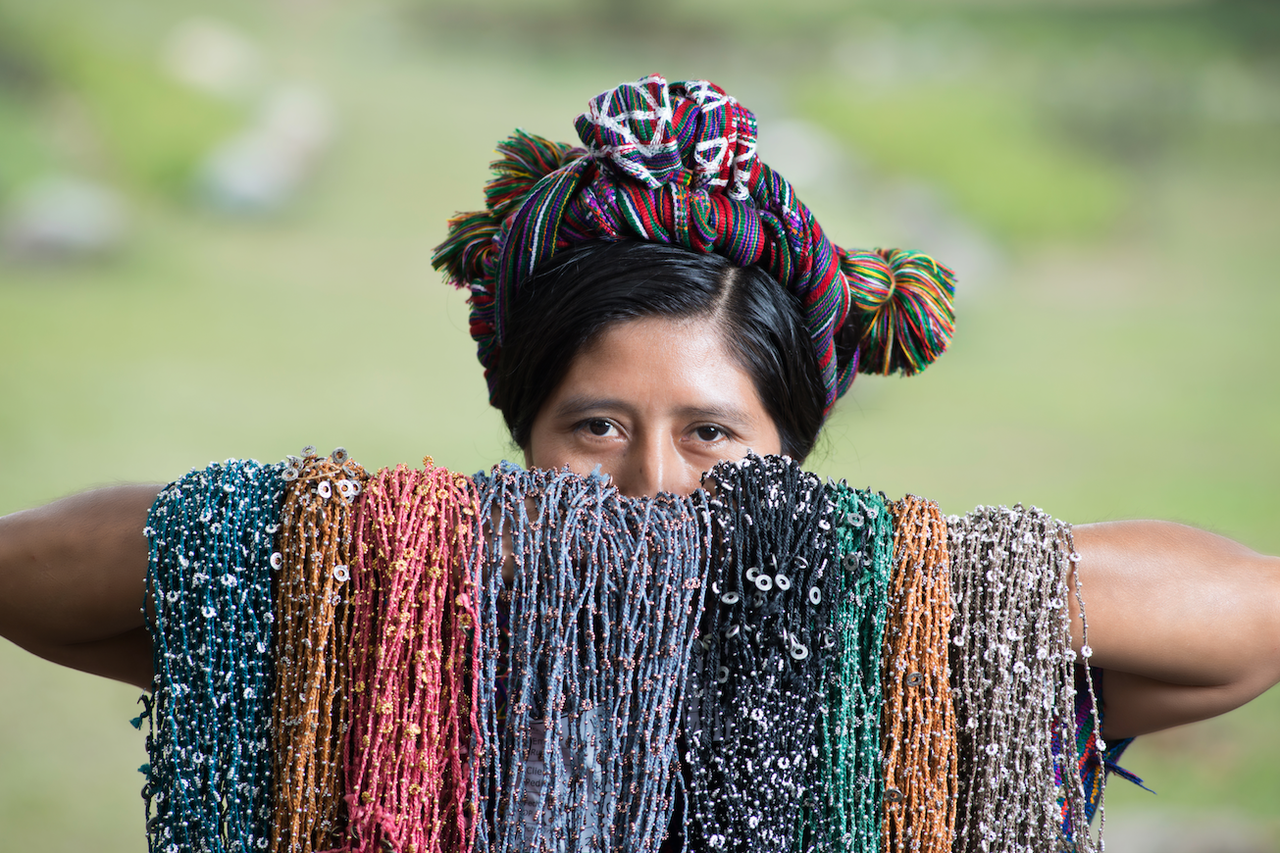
(60, 218)
(214, 57)
(264, 166)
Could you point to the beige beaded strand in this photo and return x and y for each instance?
(1013, 677)
(312, 626)
(919, 719)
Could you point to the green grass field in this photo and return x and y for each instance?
(1116, 354)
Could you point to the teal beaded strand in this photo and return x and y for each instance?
(851, 742)
(209, 580)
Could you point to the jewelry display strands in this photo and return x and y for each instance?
(412, 731)
(209, 579)
(851, 747)
(755, 775)
(1012, 675)
(313, 626)
(604, 599)
(919, 717)
(1094, 757)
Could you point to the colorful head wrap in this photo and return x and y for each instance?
(677, 164)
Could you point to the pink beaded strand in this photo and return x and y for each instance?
(413, 724)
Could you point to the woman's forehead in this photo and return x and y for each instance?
(683, 363)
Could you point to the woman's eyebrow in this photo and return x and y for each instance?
(725, 414)
(583, 404)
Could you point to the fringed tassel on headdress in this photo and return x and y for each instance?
(752, 721)
(905, 299)
(469, 251)
(209, 578)
(851, 749)
(603, 608)
(413, 686)
(1012, 673)
(313, 627)
(919, 717)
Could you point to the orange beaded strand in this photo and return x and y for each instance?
(920, 761)
(312, 627)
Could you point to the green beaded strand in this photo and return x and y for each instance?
(851, 731)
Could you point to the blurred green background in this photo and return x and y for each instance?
(216, 223)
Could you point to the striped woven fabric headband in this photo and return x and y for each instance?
(676, 163)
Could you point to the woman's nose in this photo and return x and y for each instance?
(653, 466)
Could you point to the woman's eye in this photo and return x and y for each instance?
(599, 427)
(709, 433)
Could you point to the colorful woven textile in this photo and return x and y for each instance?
(605, 594)
(677, 164)
(209, 577)
(1093, 765)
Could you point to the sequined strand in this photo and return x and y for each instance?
(755, 779)
(919, 717)
(1012, 671)
(210, 537)
(409, 779)
(851, 749)
(313, 625)
(603, 611)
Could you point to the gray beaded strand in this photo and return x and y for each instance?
(604, 604)
(1013, 676)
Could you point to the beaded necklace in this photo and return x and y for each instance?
(209, 578)
(412, 726)
(313, 626)
(755, 778)
(1012, 670)
(919, 717)
(851, 745)
(603, 611)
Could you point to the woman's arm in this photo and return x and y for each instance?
(1185, 623)
(73, 578)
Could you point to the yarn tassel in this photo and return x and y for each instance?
(313, 626)
(469, 252)
(905, 298)
(919, 717)
(209, 580)
(526, 159)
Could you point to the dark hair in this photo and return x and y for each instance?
(569, 301)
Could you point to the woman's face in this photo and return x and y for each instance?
(654, 402)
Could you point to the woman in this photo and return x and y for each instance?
(662, 304)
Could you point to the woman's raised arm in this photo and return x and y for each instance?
(1186, 623)
(73, 581)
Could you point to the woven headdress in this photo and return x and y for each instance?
(677, 164)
